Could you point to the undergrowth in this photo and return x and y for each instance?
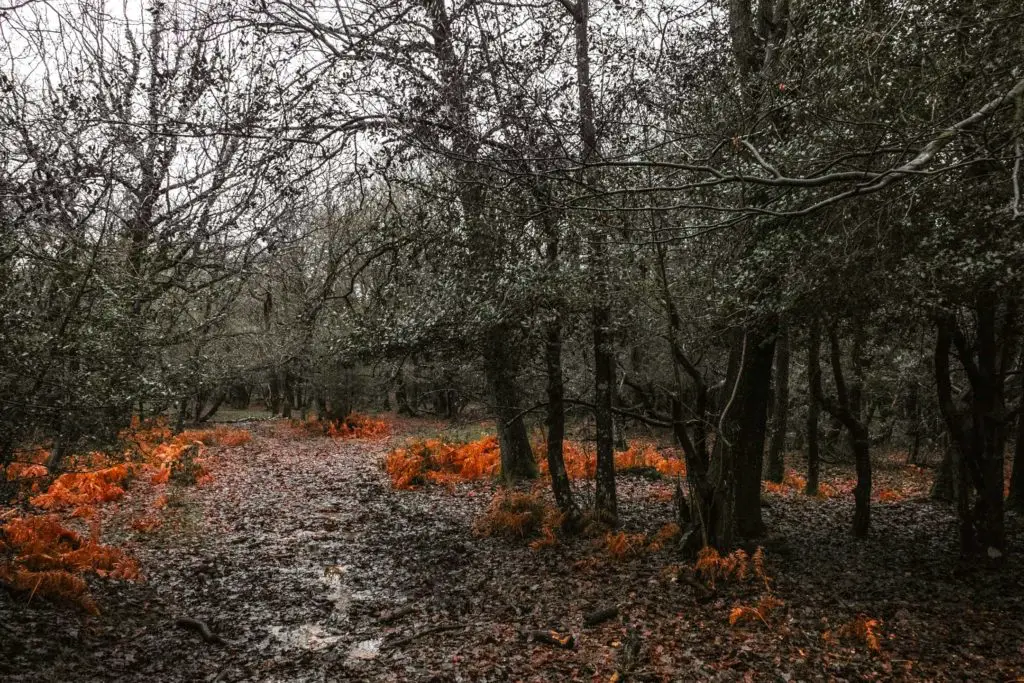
(512, 514)
(41, 557)
(352, 426)
(435, 461)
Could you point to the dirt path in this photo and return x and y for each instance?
(314, 569)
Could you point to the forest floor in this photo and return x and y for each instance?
(313, 568)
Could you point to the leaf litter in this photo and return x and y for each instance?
(311, 567)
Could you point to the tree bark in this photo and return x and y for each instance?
(842, 409)
(943, 487)
(780, 409)
(750, 412)
(1015, 501)
(979, 433)
(560, 486)
(516, 456)
(813, 409)
(605, 499)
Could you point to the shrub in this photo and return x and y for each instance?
(47, 559)
(19, 471)
(357, 426)
(352, 426)
(512, 514)
(85, 488)
(581, 461)
(434, 461)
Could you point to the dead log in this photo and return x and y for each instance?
(600, 616)
(566, 642)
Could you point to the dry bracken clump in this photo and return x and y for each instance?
(512, 514)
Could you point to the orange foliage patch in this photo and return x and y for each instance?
(434, 461)
(358, 426)
(25, 470)
(581, 461)
(162, 453)
(518, 515)
(353, 426)
(641, 455)
(736, 566)
(791, 483)
(622, 546)
(84, 488)
(890, 495)
(227, 437)
(762, 612)
(862, 630)
(47, 559)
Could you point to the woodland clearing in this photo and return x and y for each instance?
(304, 564)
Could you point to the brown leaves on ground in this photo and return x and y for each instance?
(249, 554)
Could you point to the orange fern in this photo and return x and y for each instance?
(621, 546)
(762, 612)
(48, 559)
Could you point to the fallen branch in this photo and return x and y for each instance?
(552, 638)
(395, 614)
(203, 630)
(419, 634)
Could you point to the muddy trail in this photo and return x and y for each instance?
(303, 564)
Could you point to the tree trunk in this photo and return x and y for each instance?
(750, 412)
(275, 393)
(560, 485)
(780, 409)
(605, 499)
(943, 489)
(1016, 499)
(842, 409)
(980, 433)
(288, 397)
(516, 456)
(862, 491)
(214, 407)
(813, 409)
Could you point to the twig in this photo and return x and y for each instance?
(419, 634)
(203, 630)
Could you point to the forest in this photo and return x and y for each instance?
(511, 340)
